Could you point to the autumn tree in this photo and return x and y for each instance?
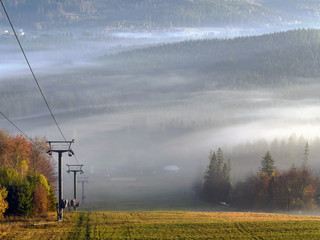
(3, 202)
(25, 156)
(15, 152)
(28, 175)
(41, 193)
(269, 189)
(302, 193)
(40, 163)
(244, 193)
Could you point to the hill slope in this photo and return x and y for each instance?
(142, 76)
(130, 14)
(269, 60)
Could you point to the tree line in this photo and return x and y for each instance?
(27, 176)
(270, 60)
(139, 13)
(273, 60)
(269, 189)
(287, 151)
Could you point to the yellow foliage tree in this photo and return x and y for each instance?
(28, 175)
(3, 202)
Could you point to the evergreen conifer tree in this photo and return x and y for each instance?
(209, 178)
(306, 155)
(25, 205)
(216, 186)
(267, 165)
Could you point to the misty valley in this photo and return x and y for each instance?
(157, 93)
(159, 119)
(145, 116)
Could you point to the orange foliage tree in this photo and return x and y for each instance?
(15, 153)
(293, 189)
(26, 157)
(25, 163)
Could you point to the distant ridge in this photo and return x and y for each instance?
(131, 14)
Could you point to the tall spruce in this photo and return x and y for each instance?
(220, 161)
(227, 171)
(216, 185)
(226, 180)
(306, 155)
(267, 165)
(209, 178)
(25, 206)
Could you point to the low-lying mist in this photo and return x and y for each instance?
(146, 137)
(126, 153)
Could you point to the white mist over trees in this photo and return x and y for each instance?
(269, 189)
(136, 105)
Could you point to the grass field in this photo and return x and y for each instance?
(163, 225)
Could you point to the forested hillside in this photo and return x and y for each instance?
(263, 61)
(132, 14)
(268, 61)
(308, 6)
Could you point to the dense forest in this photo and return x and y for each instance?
(146, 14)
(267, 61)
(308, 6)
(268, 189)
(263, 61)
(27, 176)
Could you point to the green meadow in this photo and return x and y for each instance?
(163, 225)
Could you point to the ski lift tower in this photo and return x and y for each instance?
(83, 181)
(60, 147)
(75, 169)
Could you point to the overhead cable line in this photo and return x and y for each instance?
(22, 132)
(19, 129)
(30, 139)
(34, 77)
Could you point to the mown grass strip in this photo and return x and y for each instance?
(81, 229)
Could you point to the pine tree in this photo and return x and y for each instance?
(51, 200)
(227, 171)
(210, 177)
(226, 180)
(267, 165)
(25, 199)
(216, 185)
(220, 161)
(306, 155)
